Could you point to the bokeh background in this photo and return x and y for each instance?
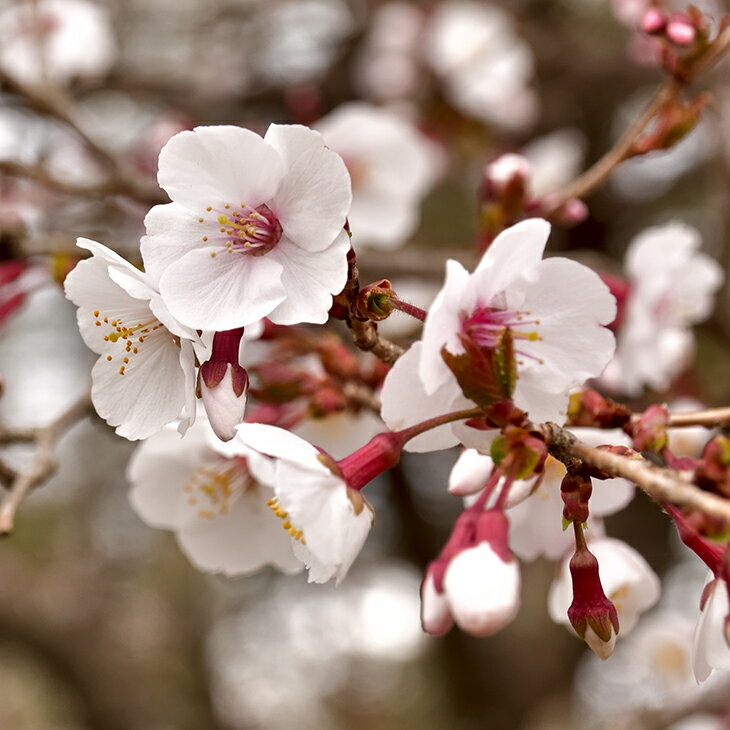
(104, 625)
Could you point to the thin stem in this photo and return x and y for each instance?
(406, 308)
(710, 418)
(412, 431)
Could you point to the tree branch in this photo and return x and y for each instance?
(44, 464)
(662, 485)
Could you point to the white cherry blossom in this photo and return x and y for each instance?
(555, 309)
(255, 228)
(145, 374)
(55, 40)
(672, 288)
(485, 67)
(392, 166)
(214, 496)
(627, 579)
(328, 522)
(711, 649)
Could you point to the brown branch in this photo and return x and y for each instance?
(44, 464)
(662, 485)
(622, 149)
(51, 101)
(710, 418)
(361, 395)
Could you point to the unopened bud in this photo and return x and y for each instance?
(508, 173)
(223, 388)
(650, 430)
(575, 491)
(373, 301)
(592, 614)
(680, 30)
(654, 21)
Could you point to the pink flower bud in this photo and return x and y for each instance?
(223, 384)
(505, 171)
(681, 31)
(654, 21)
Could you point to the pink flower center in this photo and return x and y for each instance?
(253, 231)
(486, 327)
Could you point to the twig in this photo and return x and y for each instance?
(44, 463)
(361, 395)
(662, 485)
(51, 101)
(621, 150)
(710, 418)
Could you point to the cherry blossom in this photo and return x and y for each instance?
(485, 67)
(672, 288)
(556, 310)
(392, 166)
(627, 579)
(255, 228)
(145, 374)
(328, 522)
(711, 649)
(55, 40)
(214, 496)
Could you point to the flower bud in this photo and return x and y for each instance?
(653, 22)
(223, 384)
(591, 614)
(680, 30)
(507, 175)
(483, 590)
(470, 473)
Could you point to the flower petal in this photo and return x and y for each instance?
(222, 292)
(218, 165)
(314, 197)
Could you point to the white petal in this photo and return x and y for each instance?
(222, 292)
(245, 539)
(406, 403)
(470, 473)
(225, 409)
(310, 280)
(172, 231)
(150, 394)
(279, 443)
(435, 613)
(314, 197)
(514, 252)
(218, 165)
(158, 471)
(483, 590)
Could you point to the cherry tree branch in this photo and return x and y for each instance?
(661, 484)
(44, 464)
(51, 101)
(709, 418)
(621, 150)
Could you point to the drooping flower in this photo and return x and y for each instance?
(392, 166)
(255, 228)
(711, 648)
(672, 285)
(554, 310)
(145, 374)
(475, 582)
(485, 67)
(627, 579)
(55, 40)
(327, 520)
(214, 496)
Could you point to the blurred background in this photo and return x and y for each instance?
(104, 625)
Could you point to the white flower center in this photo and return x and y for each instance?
(129, 335)
(252, 231)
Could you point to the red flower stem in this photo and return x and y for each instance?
(405, 307)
